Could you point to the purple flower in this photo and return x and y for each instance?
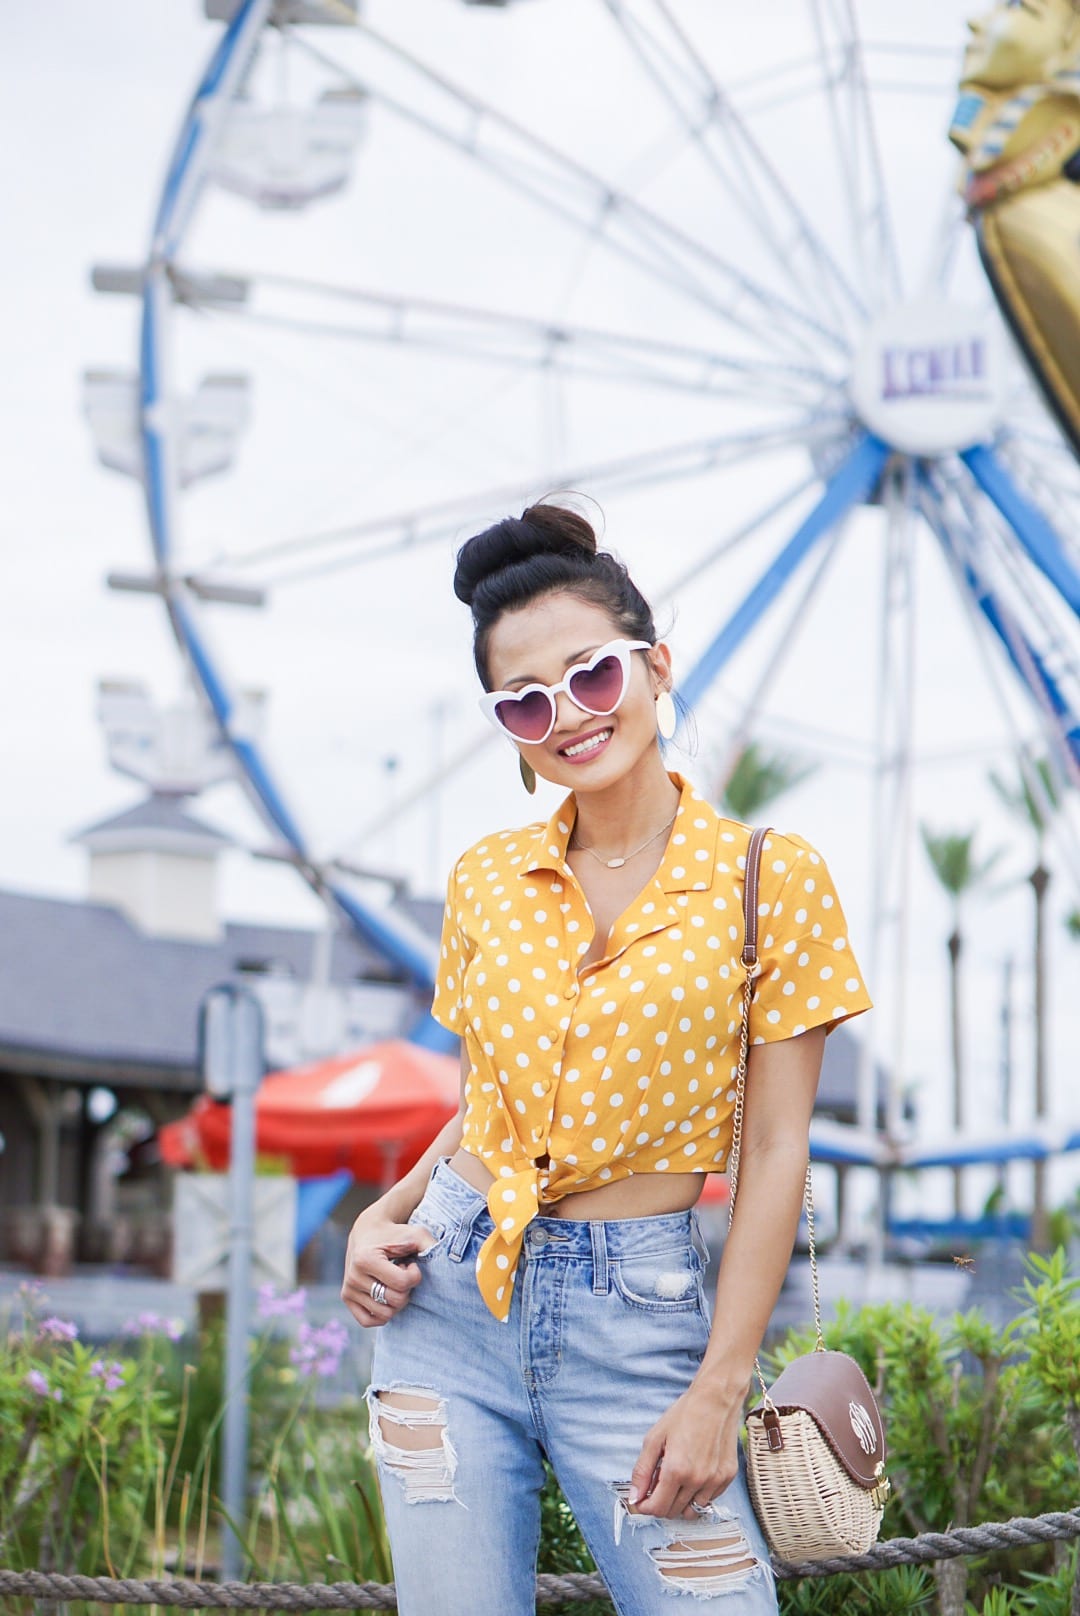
(272, 1306)
(154, 1324)
(37, 1383)
(320, 1348)
(112, 1373)
(54, 1329)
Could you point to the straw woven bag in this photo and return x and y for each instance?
(815, 1443)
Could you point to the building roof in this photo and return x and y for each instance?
(84, 993)
(158, 820)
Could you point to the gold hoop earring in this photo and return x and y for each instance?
(528, 774)
(667, 719)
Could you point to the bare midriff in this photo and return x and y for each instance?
(643, 1195)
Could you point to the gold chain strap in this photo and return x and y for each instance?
(753, 969)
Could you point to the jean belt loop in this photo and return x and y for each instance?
(463, 1233)
(698, 1238)
(598, 1239)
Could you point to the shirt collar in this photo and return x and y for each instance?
(689, 858)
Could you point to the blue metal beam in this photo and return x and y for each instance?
(1026, 660)
(851, 485)
(1026, 520)
(187, 175)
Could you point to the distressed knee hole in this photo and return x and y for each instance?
(409, 1436)
(413, 1420)
(704, 1564)
(705, 1557)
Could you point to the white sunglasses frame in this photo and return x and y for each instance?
(619, 648)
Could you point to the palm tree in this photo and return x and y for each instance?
(1035, 808)
(953, 859)
(757, 778)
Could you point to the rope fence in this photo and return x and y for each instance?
(550, 1589)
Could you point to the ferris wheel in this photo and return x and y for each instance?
(706, 265)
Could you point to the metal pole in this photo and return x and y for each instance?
(233, 1064)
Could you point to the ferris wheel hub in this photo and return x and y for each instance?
(929, 377)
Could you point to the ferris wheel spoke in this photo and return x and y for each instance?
(856, 146)
(1027, 522)
(433, 523)
(947, 241)
(1023, 589)
(853, 481)
(962, 540)
(1029, 441)
(975, 535)
(1045, 490)
(784, 644)
(615, 219)
(731, 541)
(514, 340)
(357, 846)
(736, 158)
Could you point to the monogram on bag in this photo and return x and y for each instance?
(815, 1443)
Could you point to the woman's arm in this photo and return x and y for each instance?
(695, 1443)
(383, 1228)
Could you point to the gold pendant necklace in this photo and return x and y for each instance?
(617, 863)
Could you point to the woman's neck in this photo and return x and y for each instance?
(624, 813)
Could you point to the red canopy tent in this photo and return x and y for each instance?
(373, 1112)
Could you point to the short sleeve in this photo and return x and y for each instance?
(809, 974)
(454, 953)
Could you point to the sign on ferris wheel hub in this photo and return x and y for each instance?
(929, 377)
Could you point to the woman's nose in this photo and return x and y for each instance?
(568, 714)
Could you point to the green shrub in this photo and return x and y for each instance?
(108, 1461)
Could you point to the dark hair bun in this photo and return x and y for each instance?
(546, 550)
(540, 530)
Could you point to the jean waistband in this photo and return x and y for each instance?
(463, 1204)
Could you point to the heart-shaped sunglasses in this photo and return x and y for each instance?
(597, 687)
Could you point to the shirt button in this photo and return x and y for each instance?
(570, 991)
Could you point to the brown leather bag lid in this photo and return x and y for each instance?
(833, 1390)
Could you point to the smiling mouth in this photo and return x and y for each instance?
(587, 744)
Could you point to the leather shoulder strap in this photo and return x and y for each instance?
(751, 888)
(751, 891)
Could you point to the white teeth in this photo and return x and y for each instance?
(589, 745)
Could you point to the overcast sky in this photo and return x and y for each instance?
(372, 663)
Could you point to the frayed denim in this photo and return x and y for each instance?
(608, 1326)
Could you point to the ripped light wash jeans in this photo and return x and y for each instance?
(607, 1328)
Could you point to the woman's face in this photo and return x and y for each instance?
(1017, 42)
(536, 645)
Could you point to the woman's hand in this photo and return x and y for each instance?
(689, 1456)
(373, 1241)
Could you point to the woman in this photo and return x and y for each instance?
(538, 1273)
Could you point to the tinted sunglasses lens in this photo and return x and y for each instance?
(527, 719)
(599, 689)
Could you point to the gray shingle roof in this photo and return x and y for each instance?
(157, 813)
(81, 987)
(84, 993)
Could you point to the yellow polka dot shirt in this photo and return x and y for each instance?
(629, 1065)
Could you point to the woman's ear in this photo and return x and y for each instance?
(660, 664)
